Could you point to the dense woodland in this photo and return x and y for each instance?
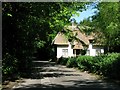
(29, 28)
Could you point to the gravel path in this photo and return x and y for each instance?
(51, 76)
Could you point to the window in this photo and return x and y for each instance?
(65, 52)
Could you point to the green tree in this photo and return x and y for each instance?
(28, 27)
(108, 22)
(86, 26)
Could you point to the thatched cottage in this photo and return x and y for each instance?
(72, 48)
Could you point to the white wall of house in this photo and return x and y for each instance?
(59, 50)
(70, 50)
(67, 51)
(94, 51)
(64, 51)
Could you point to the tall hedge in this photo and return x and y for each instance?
(107, 65)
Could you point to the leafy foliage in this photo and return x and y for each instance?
(105, 65)
(109, 67)
(84, 62)
(9, 65)
(71, 62)
(28, 30)
(107, 21)
(62, 61)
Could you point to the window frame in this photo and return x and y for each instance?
(65, 52)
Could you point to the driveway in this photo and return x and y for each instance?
(50, 76)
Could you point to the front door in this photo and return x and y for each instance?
(76, 52)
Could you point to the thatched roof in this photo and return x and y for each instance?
(97, 37)
(77, 45)
(76, 32)
(60, 39)
(90, 37)
(81, 37)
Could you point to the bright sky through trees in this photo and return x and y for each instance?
(90, 11)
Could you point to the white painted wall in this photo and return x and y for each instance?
(93, 50)
(70, 50)
(60, 48)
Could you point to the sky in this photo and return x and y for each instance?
(90, 11)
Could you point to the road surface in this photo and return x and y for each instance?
(50, 76)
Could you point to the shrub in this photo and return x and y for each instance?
(71, 62)
(97, 63)
(107, 65)
(115, 73)
(9, 66)
(62, 60)
(84, 62)
(110, 65)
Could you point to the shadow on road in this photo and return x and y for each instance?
(43, 69)
(63, 87)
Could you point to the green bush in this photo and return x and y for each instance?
(116, 68)
(84, 62)
(107, 65)
(62, 61)
(96, 64)
(71, 62)
(110, 65)
(9, 66)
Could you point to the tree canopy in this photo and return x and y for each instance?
(28, 28)
(108, 22)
